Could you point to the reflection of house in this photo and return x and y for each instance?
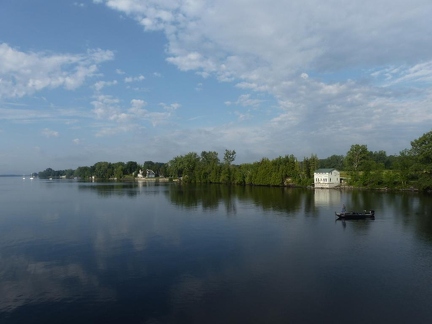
(323, 197)
(150, 174)
(326, 178)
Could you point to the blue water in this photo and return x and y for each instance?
(73, 252)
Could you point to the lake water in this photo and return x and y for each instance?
(73, 252)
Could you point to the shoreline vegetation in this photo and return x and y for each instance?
(360, 168)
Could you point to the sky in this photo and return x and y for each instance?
(147, 80)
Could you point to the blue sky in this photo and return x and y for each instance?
(134, 80)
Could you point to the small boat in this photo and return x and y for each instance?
(356, 215)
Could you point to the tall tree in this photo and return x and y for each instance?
(421, 150)
(229, 156)
(83, 172)
(131, 167)
(208, 169)
(103, 170)
(403, 165)
(356, 157)
(175, 166)
(209, 158)
(118, 172)
(149, 165)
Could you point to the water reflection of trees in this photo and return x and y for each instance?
(107, 190)
(404, 206)
(411, 209)
(268, 198)
(407, 209)
(364, 200)
(423, 215)
(276, 198)
(192, 196)
(100, 252)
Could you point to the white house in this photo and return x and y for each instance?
(326, 178)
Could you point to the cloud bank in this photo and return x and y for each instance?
(265, 78)
(24, 73)
(345, 71)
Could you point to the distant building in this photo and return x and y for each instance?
(326, 178)
(150, 174)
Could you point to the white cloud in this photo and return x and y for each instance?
(102, 84)
(138, 103)
(417, 74)
(269, 41)
(137, 108)
(134, 79)
(340, 73)
(170, 107)
(106, 107)
(49, 133)
(118, 118)
(331, 65)
(24, 73)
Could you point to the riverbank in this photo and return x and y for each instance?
(158, 179)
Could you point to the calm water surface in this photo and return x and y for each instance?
(73, 252)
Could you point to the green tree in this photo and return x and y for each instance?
(356, 157)
(83, 172)
(103, 170)
(186, 166)
(264, 172)
(149, 165)
(190, 163)
(175, 166)
(163, 170)
(381, 159)
(69, 173)
(209, 158)
(130, 167)
(421, 150)
(229, 156)
(333, 162)
(309, 165)
(226, 173)
(47, 173)
(118, 169)
(402, 166)
(208, 167)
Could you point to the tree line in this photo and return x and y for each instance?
(361, 167)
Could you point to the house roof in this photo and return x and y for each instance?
(324, 170)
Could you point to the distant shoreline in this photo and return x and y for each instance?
(155, 179)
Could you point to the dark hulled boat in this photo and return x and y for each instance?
(356, 215)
